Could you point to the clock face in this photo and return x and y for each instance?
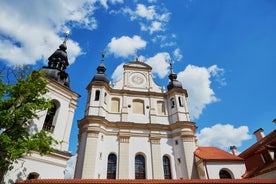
(137, 79)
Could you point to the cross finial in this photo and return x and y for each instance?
(171, 68)
(103, 54)
(66, 36)
(136, 56)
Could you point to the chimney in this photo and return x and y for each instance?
(233, 149)
(259, 134)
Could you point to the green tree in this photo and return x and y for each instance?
(20, 101)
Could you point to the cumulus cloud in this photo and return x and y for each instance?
(28, 36)
(69, 171)
(177, 55)
(126, 46)
(160, 64)
(223, 136)
(149, 18)
(197, 80)
(118, 72)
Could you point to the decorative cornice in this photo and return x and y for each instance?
(100, 124)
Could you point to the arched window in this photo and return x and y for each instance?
(138, 106)
(172, 102)
(97, 95)
(105, 97)
(223, 174)
(180, 100)
(161, 107)
(167, 168)
(140, 172)
(115, 105)
(49, 124)
(111, 166)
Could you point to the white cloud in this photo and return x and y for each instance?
(223, 136)
(28, 36)
(118, 72)
(197, 80)
(145, 12)
(160, 64)
(177, 55)
(148, 17)
(126, 46)
(69, 171)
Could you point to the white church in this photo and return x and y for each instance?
(132, 129)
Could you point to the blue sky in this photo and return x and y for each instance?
(224, 52)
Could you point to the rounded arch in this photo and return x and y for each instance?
(111, 166)
(51, 116)
(140, 166)
(225, 173)
(167, 166)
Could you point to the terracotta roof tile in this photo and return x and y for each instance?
(213, 153)
(102, 181)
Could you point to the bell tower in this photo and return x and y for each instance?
(57, 121)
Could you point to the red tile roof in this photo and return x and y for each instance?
(102, 181)
(215, 154)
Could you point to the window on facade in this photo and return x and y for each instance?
(223, 174)
(140, 172)
(49, 124)
(161, 108)
(167, 168)
(172, 102)
(138, 106)
(111, 166)
(97, 95)
(180, 100)
(115, 105)
(105, 97)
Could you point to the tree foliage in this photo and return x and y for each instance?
(19, 103)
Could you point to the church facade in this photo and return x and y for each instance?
(136, 130)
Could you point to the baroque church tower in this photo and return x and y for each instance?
(57, 120)
(134, 129)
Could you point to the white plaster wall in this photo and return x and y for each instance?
(140, 145)
(46, 166)
(237, 169)
(166, 145)
(107, 145)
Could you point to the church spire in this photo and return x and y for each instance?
(57, 64)
(100, 76)
(173, 82)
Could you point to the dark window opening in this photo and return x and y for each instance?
(223, 174)
(172, 102)
(167, 168)
(97, 95)
(140, 172)
(49, 120)
(180, 101)
(111, 166)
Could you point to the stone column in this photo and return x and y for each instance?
(66, 135)
(90, 155)
(123, 170)
(156, 157)
(189, 146)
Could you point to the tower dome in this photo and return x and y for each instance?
(173, 82)
(57, 64)
(100, 76)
